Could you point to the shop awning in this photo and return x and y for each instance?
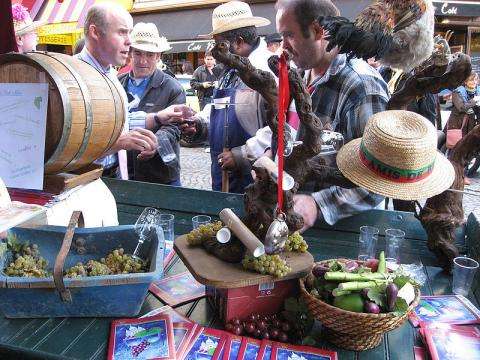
(189, 46)
(65, 19)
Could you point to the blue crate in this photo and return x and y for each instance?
(96, 296)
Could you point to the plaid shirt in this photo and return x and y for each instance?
(345, 97)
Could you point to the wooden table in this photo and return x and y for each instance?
(86, 338)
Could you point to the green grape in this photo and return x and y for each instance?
(295, 242)
(203, 232)
(276, 265)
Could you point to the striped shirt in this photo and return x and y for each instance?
(345, 97)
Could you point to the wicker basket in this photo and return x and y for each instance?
(351, 330)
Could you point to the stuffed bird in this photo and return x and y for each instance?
(398, 33)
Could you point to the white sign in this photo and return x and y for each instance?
(447, 10)
(23, 117)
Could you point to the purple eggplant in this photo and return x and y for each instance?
(319, 270)
(391, 292)
(371, 308)
(364, 293)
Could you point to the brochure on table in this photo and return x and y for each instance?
(22, 130)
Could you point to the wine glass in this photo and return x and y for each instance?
(146, 226)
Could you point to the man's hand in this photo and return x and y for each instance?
(146, 155)
(306, 206)
(226, 160)
(138, 139)
(207, 84)
(175, 114)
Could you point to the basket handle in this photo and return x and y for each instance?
(77, 218)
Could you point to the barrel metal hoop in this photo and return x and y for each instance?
(88, 111)
(67, 107)
(124, 107)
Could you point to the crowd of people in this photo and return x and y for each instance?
(345, 94)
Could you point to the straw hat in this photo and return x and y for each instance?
(145, 37)
(397, 157)
(22, 22)
(233, 15)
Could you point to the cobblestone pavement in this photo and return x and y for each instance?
(195, 174)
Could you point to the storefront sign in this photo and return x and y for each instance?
(190, 46)
(452, 8)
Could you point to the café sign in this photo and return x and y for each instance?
(454, 8)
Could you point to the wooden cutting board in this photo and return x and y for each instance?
(209, 270)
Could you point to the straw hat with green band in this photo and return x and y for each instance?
(397, 157)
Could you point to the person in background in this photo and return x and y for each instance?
(233, 21)
(274, 43)
(345, 94)
(125, 69)
(466, 108)
(151, 90)
(25, 29)
(187, 68)
(78, 47)
(204, 80)
(107, 42)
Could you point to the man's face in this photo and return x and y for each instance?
(144, 63)
(115, 43)
(209, 61)
(234, 48)
(273, 47)
(305, 52)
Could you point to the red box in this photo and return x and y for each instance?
(266, 298)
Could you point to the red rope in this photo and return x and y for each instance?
(283, 102)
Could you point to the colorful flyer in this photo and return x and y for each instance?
(182, 334)
(168, 254)
(281, 351)
(148, 338)
(265, 351)
(205, 344)
(451, 309)
(175, 316)
(177, 289)
(453, 342)
(249, 349)
(232, 347)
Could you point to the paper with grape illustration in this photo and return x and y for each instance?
(142, 339)
(206, 344)
(281, 351)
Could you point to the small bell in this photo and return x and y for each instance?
(277, 235)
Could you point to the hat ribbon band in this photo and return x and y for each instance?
(392, 173)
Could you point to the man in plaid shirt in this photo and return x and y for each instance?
(345, 93)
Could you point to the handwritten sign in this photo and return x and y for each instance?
(23, 118)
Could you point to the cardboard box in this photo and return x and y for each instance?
(266, 298)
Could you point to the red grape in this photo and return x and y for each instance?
(274, 333)
(251, 317)
(229, 327)
(236, 321)
(261, 324)
(283, 337)
(286, 326)
(250, 327)
(238, 329)
(257, 333)
(277, 323)
(265, 335)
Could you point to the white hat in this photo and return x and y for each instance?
(22, 22)
(397, 157)
(145, 37)
(233, 15)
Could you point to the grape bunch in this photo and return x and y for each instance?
(295, 242)
(203, 232)
(117, 262)
(269, 327)
(27, 261)
(27, 266)
(267, 264)
(120, 263)
(91, 268)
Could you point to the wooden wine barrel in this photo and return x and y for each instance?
(85, 113)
